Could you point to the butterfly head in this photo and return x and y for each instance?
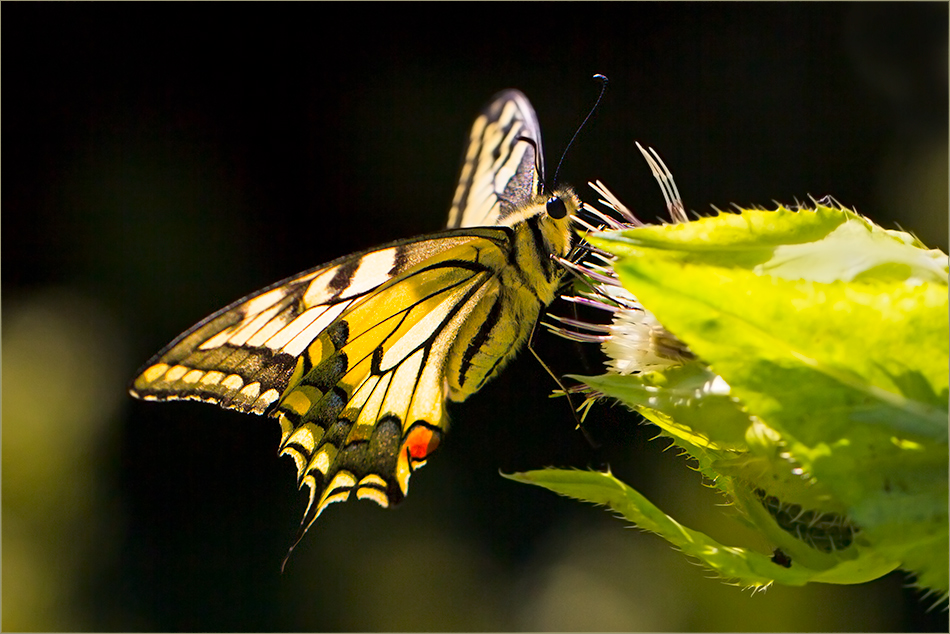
(559, 210)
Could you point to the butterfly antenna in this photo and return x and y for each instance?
(603, 88)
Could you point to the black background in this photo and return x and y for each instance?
(163, 160)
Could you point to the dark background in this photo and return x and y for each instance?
(162, 160)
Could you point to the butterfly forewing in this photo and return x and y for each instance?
(357, 358)
(502, 168)
(215, 362)
(253, 345)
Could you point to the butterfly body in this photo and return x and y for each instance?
(357, 358)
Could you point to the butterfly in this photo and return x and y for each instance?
(357, 357)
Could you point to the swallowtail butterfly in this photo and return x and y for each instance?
(356, 358)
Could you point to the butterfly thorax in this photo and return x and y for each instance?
(538, 238)
(504, 315)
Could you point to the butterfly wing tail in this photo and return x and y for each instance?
(367, 469)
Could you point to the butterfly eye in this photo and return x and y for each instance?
(556, 207)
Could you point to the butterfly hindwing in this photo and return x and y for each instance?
(365, 405)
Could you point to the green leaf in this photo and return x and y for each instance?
(827, 339)
(688, 394)
(742, 564)
(823, 244)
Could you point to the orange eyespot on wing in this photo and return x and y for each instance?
(421, 441)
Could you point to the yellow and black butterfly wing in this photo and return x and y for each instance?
(365, 404)
(241, 357)
(349, 357)
(503, 164)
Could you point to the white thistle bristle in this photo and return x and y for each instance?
(634, 341)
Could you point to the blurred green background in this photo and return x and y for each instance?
(162, 160)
